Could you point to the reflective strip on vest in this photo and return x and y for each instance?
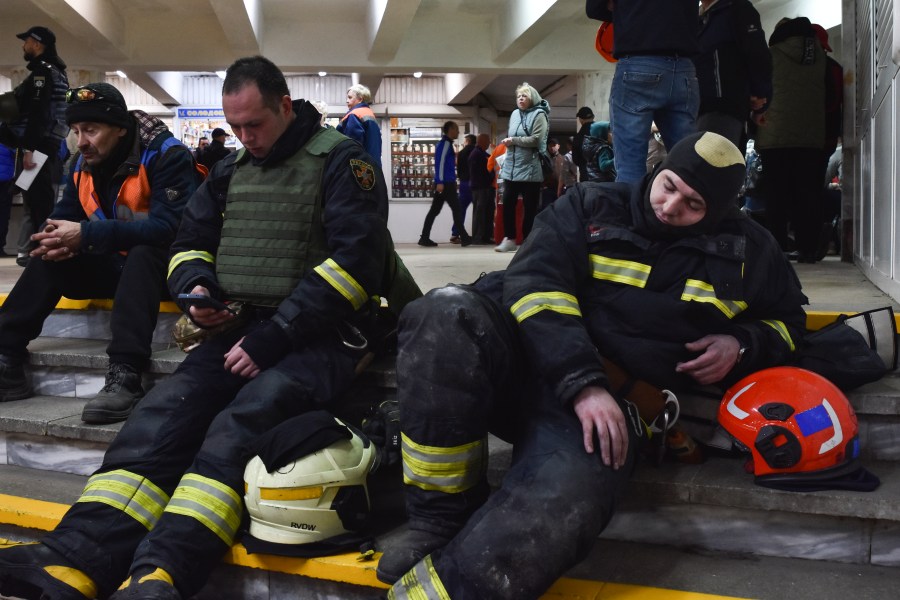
(343, 282)
(128, 492)
(215, 505)
(419, 583)
(700, 291)
(531, 304)
(182, 257)
(619, 271)
(449, 470)
(782, 330)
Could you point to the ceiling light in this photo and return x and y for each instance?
(417, 74)
(322, 73)
(220, 74)
(122, 74)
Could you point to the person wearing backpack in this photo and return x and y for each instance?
(521, 171)
(734, 67)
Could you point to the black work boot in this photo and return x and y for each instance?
(14, 384)
(147, 583)
(413, 546)
(35, 572)
(118, 397)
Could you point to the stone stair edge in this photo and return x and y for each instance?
(878, 398)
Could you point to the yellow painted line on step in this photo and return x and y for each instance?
(34, 514)
(581, 589)
(817, 319)
(44, 516)
(98, 304)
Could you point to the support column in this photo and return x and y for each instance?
(593, 91)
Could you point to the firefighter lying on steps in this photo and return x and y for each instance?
(665, 277)
(295, 226)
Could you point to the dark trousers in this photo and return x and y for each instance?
(199, 421)
(7, 189)
(135, 282)
(449, 197)
(483, 215)
(531, 197)
(465, 200)
(554, 492)
(791, 183)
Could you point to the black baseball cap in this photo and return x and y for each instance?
(585, 113)
(41, 34)
(218, 131)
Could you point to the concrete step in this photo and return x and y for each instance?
(36, 508)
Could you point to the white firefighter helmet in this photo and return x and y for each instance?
(314, 498)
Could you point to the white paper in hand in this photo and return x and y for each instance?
(26, 177)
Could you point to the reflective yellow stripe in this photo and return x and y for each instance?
(620, 271)
(189, 255)
(213, 504)
(782, 330)
(300, 493)
(419, 583)
(129, 492)
(450, 470)
(73, 578)
(700, 291)
(342, 282)
(559, 302)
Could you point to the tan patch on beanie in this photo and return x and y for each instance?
(718, 151)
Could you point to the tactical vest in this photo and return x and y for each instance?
(57, 127)
(273, 233)
(133, 200)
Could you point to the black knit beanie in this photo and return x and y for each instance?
(108, 107)
(713, 167)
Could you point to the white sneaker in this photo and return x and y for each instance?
(507, 245)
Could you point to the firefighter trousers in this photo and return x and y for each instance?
(462, 372)
(170, 490)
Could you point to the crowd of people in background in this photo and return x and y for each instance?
(184, 222)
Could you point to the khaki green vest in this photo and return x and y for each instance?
(273, 234)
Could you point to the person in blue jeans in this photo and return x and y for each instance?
(655, 79)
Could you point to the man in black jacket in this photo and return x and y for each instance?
(665, 278)
(585, 118)
(216, 150)
(167, 501)
(41, 124)
(734, 67)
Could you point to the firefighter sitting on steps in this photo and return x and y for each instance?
(295, 226)
(665, 278)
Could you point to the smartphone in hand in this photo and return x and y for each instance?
(203, 301)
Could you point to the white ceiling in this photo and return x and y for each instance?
(496, 44)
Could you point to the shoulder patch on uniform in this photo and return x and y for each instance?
(363, 172)
(172, 194)
(39, 81)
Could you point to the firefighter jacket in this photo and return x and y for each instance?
(352, 222)
(136, 196)
(589, 282)
(42, 106)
